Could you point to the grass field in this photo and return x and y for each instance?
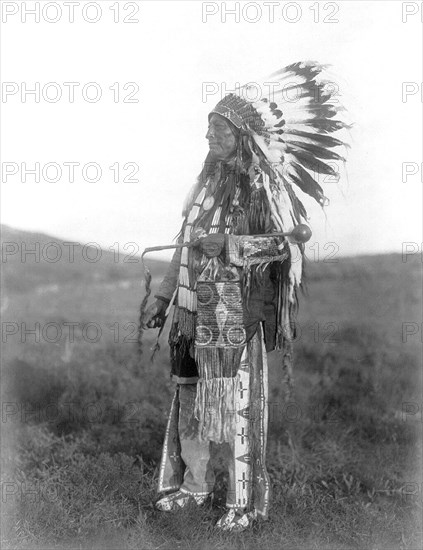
(83, 416)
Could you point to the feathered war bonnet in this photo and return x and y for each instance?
(287, 121)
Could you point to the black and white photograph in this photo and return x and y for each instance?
(211, 275)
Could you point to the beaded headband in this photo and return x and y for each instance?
(239, 112)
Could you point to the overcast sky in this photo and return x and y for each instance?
(170, 53)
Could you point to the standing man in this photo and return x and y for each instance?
(234, 288)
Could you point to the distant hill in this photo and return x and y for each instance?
(31, 260)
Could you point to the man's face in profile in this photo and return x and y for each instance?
(222, 141)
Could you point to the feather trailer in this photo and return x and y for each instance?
(311, 162)
(322, 125)
(306, 69)
(318, 139)
(316, 150)
(307, 183)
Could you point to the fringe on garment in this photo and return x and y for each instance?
(286, 329)
(216, 409)
(186, 323)
(216, 362)
(217, 389)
